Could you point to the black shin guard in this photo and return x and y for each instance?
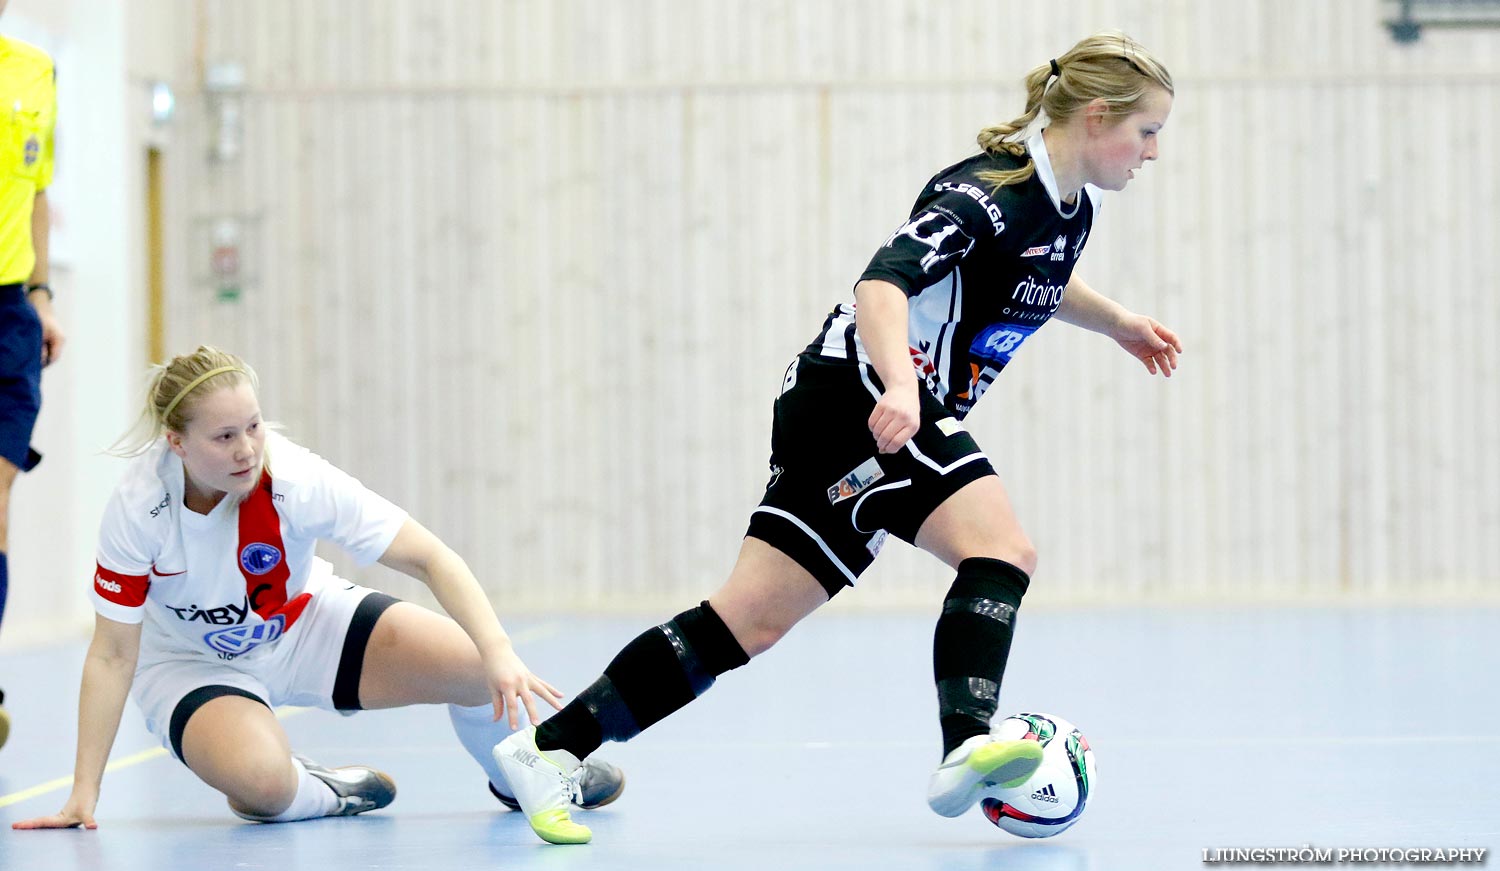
(660, 671)
(971, 645)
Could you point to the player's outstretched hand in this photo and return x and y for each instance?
(1150, 342)
(512, 686)
(75, 813)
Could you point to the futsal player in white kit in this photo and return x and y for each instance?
(212, 608)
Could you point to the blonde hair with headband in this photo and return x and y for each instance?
(172, 390)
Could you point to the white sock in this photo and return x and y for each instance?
(314, 799)
(479, 735)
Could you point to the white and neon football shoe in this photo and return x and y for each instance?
(977, 764)
(546, 783)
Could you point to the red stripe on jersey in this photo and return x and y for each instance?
(262, 555)
(127, 590)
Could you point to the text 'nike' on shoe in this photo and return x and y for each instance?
(546, 782)
(599, 783)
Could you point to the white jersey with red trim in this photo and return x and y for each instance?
(228, 583)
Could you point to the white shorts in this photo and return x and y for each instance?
(301, 668)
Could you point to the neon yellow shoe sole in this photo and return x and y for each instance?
(1007, 763)
(555, 827)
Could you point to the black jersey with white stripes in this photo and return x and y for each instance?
(981, 269)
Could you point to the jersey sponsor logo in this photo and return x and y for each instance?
(32, 151)
(1078, 246)
(991, 210)
(240, 640)
(127, 590)
(922, 363)
(1036, 251)
(166, 499)
(856, 481)
(950, 426)
(1059, 247)
(257, 558)
(940, 233)
(998, 343)
(224, 615)
(1030, 293)
(991, 351)
(876, 542)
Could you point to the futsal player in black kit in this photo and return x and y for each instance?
(867, 438)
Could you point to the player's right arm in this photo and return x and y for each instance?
(881, 318)
(108, 671)
(943, 230)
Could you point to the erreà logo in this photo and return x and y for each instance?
(258, 558)
(1046, 793)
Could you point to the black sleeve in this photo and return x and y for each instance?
(940, 233)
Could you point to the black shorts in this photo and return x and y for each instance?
(832, 497)
(20, 376)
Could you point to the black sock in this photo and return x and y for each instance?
(971, 645)
(660, 671)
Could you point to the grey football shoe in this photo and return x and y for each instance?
(360, 788)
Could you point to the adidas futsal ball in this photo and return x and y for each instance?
(1053, 798)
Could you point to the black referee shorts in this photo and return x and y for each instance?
(832, 497)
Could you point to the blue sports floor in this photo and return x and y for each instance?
(1213, 728)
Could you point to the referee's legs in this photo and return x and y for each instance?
(8, 472)
(7, 478)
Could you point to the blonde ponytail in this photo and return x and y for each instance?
(1108, 66)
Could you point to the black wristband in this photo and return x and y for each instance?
(45, 288)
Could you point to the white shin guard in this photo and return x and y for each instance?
(479, 733)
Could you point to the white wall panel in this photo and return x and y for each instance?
(533, 269)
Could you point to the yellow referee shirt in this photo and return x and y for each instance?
(28, 111)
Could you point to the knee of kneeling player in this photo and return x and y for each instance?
(263, 792)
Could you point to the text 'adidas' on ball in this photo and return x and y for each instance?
(1054, 797)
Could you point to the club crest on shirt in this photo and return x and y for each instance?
(258, 558)
(856, 481)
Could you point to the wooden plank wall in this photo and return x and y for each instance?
(534, 269)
